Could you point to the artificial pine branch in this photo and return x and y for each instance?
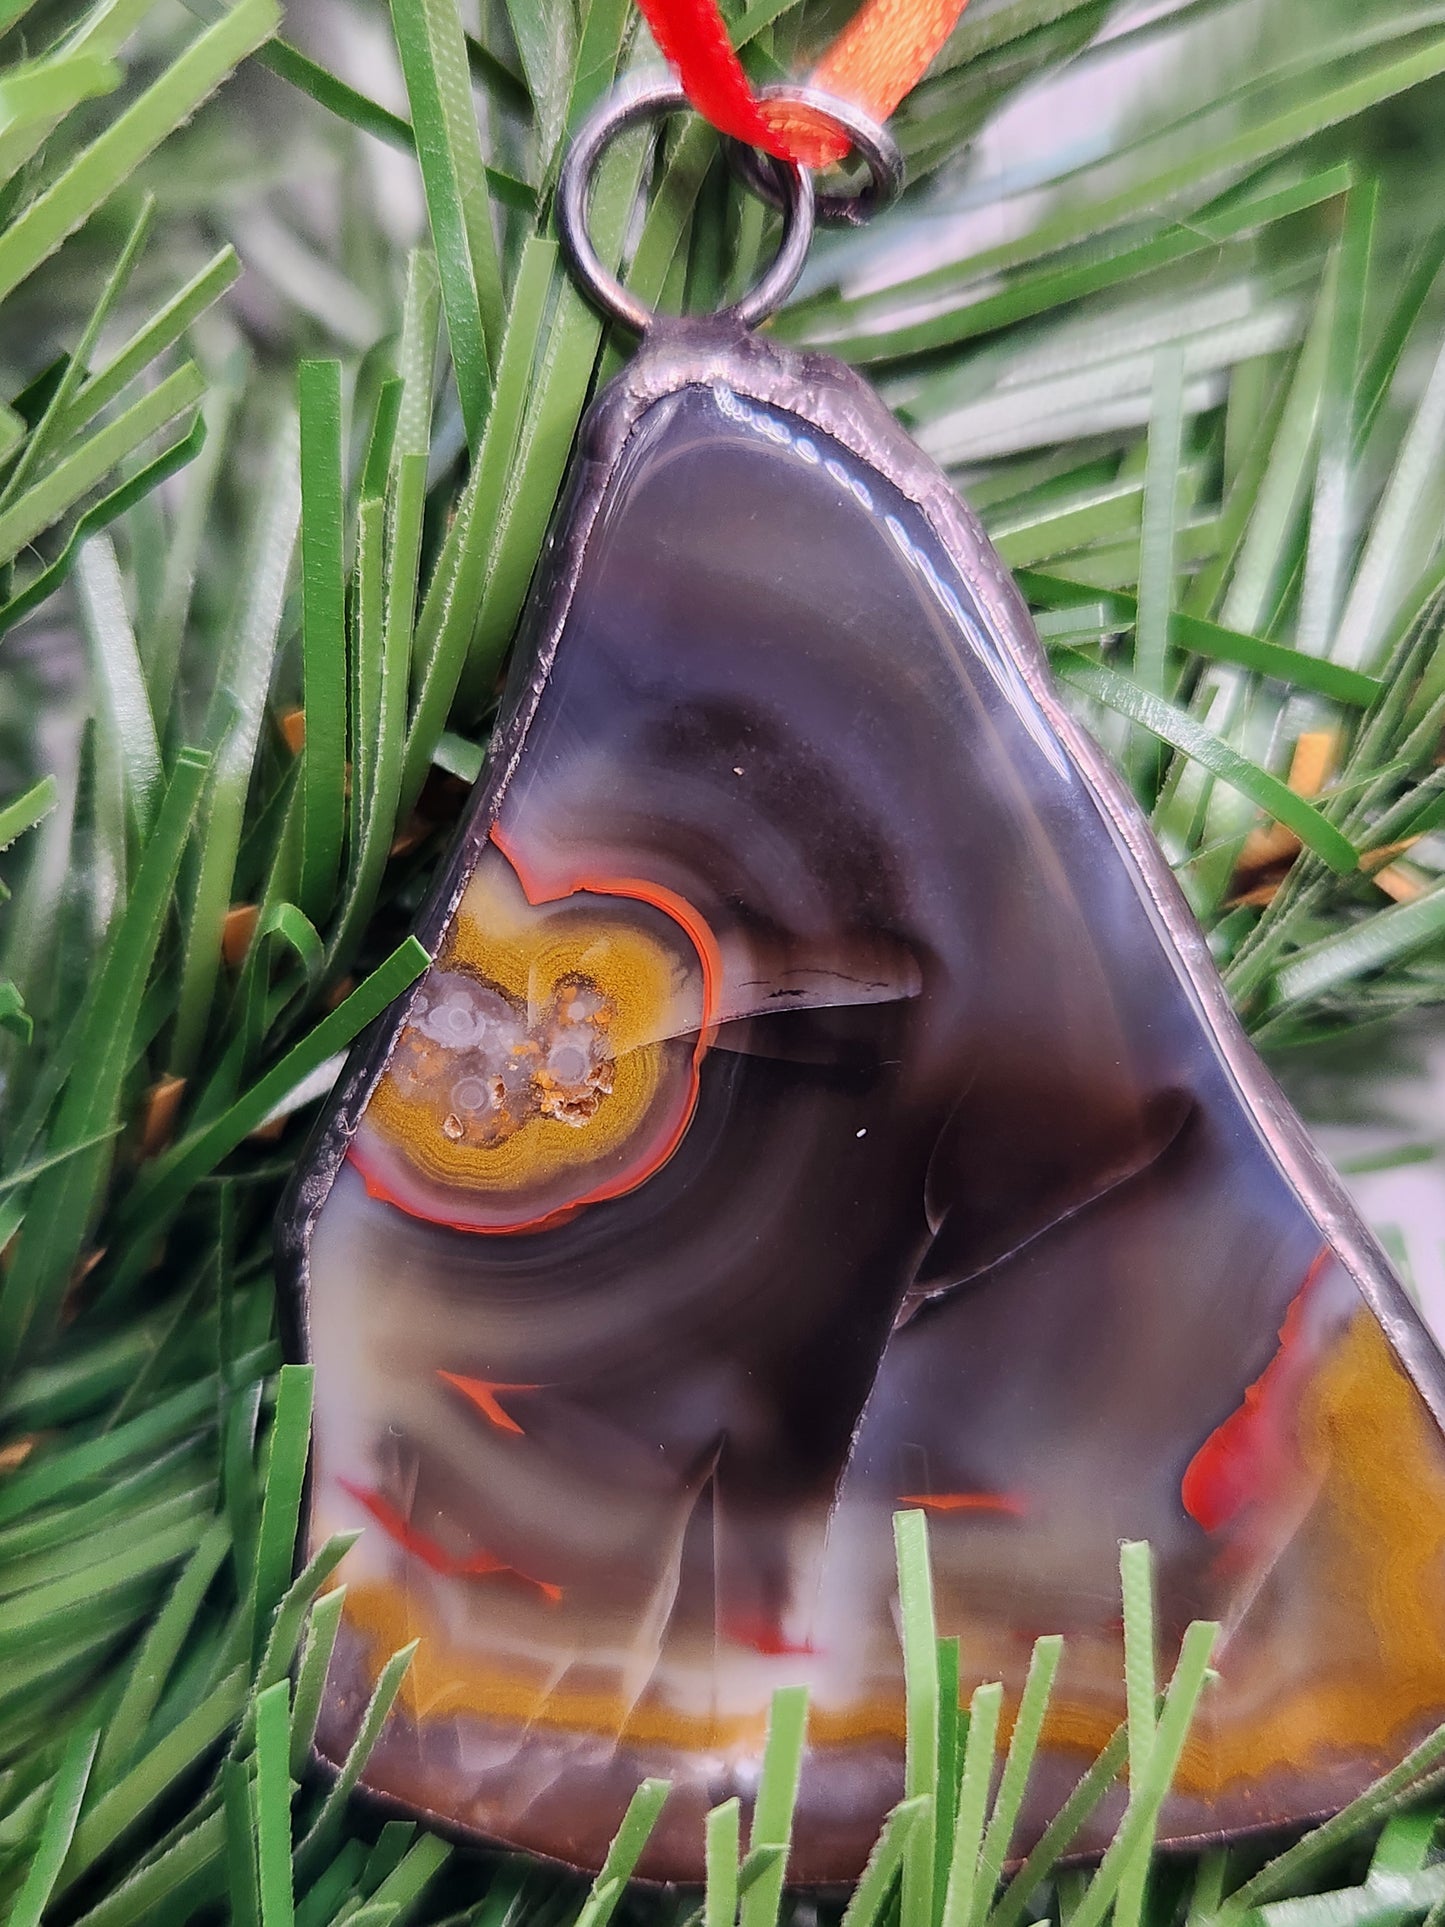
(262, 549)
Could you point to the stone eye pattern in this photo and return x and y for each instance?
(549, 1058)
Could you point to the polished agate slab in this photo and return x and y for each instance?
(821, 1102)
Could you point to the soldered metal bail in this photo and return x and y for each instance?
(785, 184)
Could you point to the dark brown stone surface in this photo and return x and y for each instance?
(920, 1170)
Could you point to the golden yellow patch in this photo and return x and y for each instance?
(1372, 1552)
(539, 1041)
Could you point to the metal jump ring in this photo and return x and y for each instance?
(876, 145)
(789, 187)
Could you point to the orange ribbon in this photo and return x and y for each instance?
(878, 58)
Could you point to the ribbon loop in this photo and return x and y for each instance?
(879, 57)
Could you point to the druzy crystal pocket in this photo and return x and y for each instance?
(821, 1102)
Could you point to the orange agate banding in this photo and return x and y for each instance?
(765, 1635)
(638, 890)
(483, 1394)
(642, 1095)
(1246, 1455)
(432, 1554)
(1010, 1503)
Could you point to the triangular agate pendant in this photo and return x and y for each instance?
(822, 1101)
